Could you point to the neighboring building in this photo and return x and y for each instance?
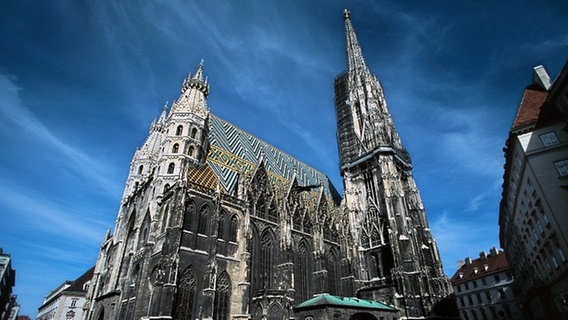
(483, 288)
(533, 213)
(216, 224)
(66, 301)
(329, 307)
(7, 283)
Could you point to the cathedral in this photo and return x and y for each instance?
(215, 223)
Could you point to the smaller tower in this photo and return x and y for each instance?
(185, 133)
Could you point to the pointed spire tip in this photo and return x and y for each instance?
(346, 14)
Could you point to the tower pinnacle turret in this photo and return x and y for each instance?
(194, 92)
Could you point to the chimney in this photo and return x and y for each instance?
(493, 251)
(483, 255)
(467, 260)
(541, 77)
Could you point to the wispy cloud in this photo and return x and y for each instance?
(15, 112)
(38, 214)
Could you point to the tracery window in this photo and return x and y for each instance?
(221, 226)
(171, 168)
(275, 312)
(233, 228)
(222, 297)
(261, 207)
(266, 261)
(202, 225)
(364, 239)
(302, 273)
(186, 294)
(332, 272)
(175, 148)
(188, 215)
(307, 223)
(375, 238)
(297, 220)
(273, 212)
(179, 130)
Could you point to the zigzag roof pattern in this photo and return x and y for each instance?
(234, 152)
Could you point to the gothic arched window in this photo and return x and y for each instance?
(171, 168)
(275, 312)
(297, 220)
(222, 297)
(186, 294)
(375, 237)
(364, 239)
(188, 215)
(190, 151)
(266, 261)
(202, 225)
(175, 148)
(307, 223)
(261, 207)
(179, 130)
(221, 226)
(140, 169)
(233, 228)
(273, 212)
(193, 133)
(302, 273)
(332, 272)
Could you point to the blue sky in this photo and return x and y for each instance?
(80, 82)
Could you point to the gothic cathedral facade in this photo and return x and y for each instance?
(215, 223)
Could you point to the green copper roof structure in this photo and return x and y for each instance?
(328, 300)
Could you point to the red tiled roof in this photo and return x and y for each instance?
(529, 109)
(495, 263)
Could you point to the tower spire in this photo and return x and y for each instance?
(355, 59)
(364, 122)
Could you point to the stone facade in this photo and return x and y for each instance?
(218, 224)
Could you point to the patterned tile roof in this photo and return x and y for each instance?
(234, 152)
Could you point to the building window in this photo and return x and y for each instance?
(202, 225)
(171, 168)
(266, 261)
(222, 297)
(233, 228)
(497, 278)
(549, 139)
(193, 133)
(140, 169)
(190, 151)
(185, 294)
(179, 130)
(562, 167)
(175, 148)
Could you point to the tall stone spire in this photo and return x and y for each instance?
(364, 121)
(398, 257)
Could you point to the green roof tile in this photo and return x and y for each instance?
(324, 300)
